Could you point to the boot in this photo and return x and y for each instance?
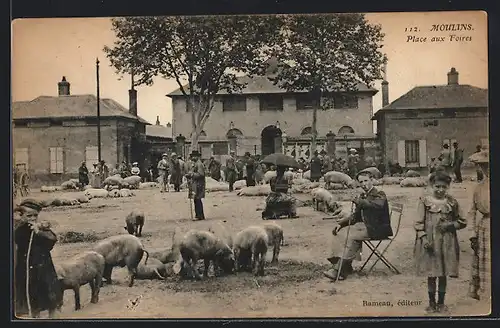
(473, 288)
(432, 303)
(441, 308)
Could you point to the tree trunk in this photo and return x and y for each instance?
(194, 123)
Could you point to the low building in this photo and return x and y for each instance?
(158, 141)
(53, 135)
(263, 119)
(413, 128)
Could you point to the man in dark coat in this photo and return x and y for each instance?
(250, 169)
(315, 167)
(175, 172)
(458, 159)
(83, 175)
(196, 180)
(370, 220)
(231, 170)
(479, 172)
(45, 292)
(214, 169)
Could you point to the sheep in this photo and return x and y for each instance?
(132, 181)
(96, 193)
(374, 172)
(134, 223)
(275, 238)
(219, 186)
(323, 196)
(84, 268)
(115, 193)
(251, 243)
(50, 188)
(114, 180)
(64, 202)
(339, 177)
(121, 250)
(155, 269)
(69, 185)
(269, 175)
(391, 180)
(148, 185)
(239, 184)
(198, 244)
(82, 199)
(413, 182)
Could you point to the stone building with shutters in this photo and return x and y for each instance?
(413, 128)
(263, 119)
(53, 135)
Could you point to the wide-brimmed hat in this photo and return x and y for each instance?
(31, 203)
(135, 163)
(195, 153)
(481, 157)
(164, 155)
(352, 150)
(173, 154)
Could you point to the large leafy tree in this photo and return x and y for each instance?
(327, 54)
(203, 54)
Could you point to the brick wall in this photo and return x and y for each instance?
(252, 121)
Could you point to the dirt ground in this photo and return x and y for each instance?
(293, 288)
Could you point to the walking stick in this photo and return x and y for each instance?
(190, 202)
(345, 243)
(28, 275)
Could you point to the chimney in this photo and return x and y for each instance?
(453, 77)
(157, 120)
(385, 88)
(63, 87)
(169, 125)
(132, 99)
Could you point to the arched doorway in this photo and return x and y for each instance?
(271, 140)
(232, 136)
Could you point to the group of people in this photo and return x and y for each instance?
(97, 175)
(436, 249)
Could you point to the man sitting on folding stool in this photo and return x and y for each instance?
(370, 219)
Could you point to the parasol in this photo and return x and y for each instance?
(279, 159)
(481, 157)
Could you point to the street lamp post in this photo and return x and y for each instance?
(98, 112)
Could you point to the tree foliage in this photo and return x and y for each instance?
(203, 54)
(327, 53)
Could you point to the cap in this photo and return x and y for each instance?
(31, 203)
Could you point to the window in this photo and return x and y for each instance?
(234, 133)
(21, 157)
(56, 160)
(345, 130)
(345, 101)
(91, 156)
(220, 148)
(306, 131)
(411, 114)
(305, 102)
(271, 102)
(449, 113)
(234, 103)
(412, 152)
(485, 144)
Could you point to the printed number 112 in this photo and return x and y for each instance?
(411, 29)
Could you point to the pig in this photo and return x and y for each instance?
(251, 243)
(168, 255)
(84, 268)
(155, 269)
(121, 250)
(275, 238)
(199, 244)
(323, 196)
(339, 177)
(134, 223)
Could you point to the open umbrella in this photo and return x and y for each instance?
(281, 160)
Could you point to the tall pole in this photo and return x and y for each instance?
(98, 112)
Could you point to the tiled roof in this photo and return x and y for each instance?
(261, 85)
(158, 131)
(440, 97)
(73, 106)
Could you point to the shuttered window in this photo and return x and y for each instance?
(56, 160)
(412, 153)
(91, 156)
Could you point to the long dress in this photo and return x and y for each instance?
(315, 168)
(279, 202)
(481, 262)
(250, 170)
(83, 176)
(444, 259)
(44, 287)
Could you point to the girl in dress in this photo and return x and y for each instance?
(436, 246)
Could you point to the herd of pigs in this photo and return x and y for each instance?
(245, 252)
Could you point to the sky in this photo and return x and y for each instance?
(44, 50)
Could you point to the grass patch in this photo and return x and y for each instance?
(70, 237)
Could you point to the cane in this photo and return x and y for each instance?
(345, 244)
(190, 202)
(28, 275)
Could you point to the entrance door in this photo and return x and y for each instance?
(270, 140)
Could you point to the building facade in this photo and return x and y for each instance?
(263, 119)
(413, 128)
(52, 136)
